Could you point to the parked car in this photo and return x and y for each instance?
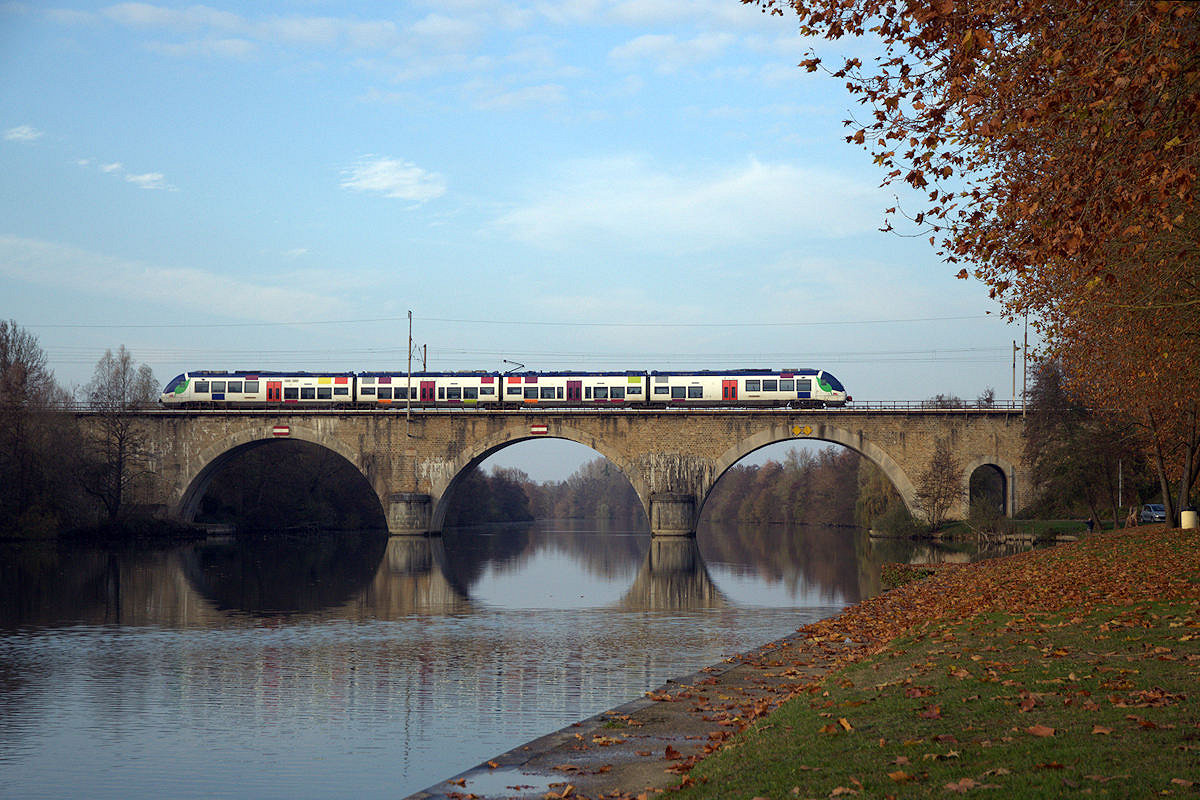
(1153, 512)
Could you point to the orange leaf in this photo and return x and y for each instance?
(1101, 730)
(1040, 730)
(845, 723)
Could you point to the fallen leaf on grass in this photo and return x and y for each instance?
(1101, 730)
(845, 723)
(932, 712)
(1183, 782)
(1040, 730)
(900, 776)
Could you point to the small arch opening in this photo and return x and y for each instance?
(987, 494)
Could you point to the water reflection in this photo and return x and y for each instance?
(370, 666)
(673, 576)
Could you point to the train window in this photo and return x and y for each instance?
(488, 390)
(308, 393)
(291, 393)
(251, 387)
(324, 392)
(218, 387)
(470, 393)
(200, 387)
(385, 393)
(662, 389)
(235, 386)
(617, 393)
(587, 393)
(560, 393)
(695, 392)
(547, 392)
(513, 391)
(804, 385)
(678, 392)
(531, 393)
(367, 390)
(454, 393)
(600, 393)
(752, 385)
(770, 385)
(634, 390)
(787, 386)
(341, 390)
(367, 379)
(441, 393)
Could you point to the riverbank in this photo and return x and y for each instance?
(1065, 669)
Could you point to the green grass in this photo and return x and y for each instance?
(959, 709)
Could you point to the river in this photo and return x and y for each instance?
(357, 665)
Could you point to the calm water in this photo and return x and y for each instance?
(357, 665)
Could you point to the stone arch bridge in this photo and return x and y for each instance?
(673, 458)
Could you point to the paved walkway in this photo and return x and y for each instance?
(647, 745)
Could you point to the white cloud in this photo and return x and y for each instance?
(114, 166)
(670, 54)
(22, 133)
(530, 96)
(393, 177)
(149, 180)
(61, 266)
(627, 200)
(221, 48)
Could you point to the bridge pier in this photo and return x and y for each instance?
(672, 514)
(409, 513)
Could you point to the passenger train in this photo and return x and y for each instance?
(796, 388)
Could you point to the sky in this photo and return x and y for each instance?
(590, 185)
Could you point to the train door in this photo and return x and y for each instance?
(574, 391)
(729, 390)
(274, 391)
(427, 391)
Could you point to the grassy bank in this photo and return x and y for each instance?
(1073, 670)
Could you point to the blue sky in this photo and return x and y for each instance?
(581, 184)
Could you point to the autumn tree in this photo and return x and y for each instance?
(118, 451)
(1051, 149)
(940, 487)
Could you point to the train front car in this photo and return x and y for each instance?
(790, 388)
(173, 391)
(829, 390)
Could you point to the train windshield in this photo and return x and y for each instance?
(829, 383)
(176, 382)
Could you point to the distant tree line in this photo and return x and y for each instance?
(57, 473)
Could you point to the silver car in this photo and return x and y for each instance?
(1153, 512)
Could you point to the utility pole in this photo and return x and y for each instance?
(408, 391)
(1025, 369)
(1014, 372)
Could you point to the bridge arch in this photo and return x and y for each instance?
(1004, 468)
(442, 486)
(199, 470)
(824, 433)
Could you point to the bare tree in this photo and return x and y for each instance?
(118, 451)
(940, 487)
(27, 394)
